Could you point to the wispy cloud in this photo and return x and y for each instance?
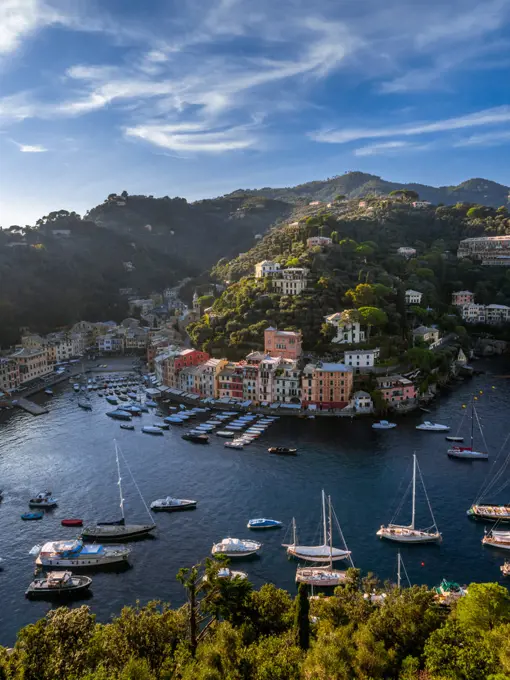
(487, 139)
(193, 138)
(492, 116)
(29, 148)
(383, 147)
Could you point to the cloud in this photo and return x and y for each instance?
(20, 18)
(493, 116)
(383, 147)
(193, 137)
(29, 148)
(488, 139)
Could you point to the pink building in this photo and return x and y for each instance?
(395, 388)
(286, 344)
(462, 297)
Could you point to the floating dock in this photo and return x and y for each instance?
(29, 406)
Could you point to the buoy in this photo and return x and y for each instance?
(481, 391)
(423, 564)
(475, 398)
(463, 405)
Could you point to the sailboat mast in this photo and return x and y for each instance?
(414, 492)
(119, 481)
(293, 531)
(324, 528)
(330, 536)
(472, 421)
(398, 569)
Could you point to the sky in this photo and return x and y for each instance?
(196, 98)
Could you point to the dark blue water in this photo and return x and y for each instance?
(366, 472)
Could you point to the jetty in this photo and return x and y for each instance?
(30, 407)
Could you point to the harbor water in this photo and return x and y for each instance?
(366, 472)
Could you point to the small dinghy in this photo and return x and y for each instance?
(264, 524)
(44, 499)
(150, 429)
(225, 433)
(32, 515)
(85, 405)
(72, 522)
(126, 426)
(58, 583)
(234, 445)
(162, 426)
(282, 450)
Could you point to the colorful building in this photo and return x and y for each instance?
(250, 380)
(326, 385)
(9, 375)
(266, 268)
(286, 344)
(396, 389)
(230, 381)
(462, 297)
(347, 332)
(32, 363)
(171, 363)
(206, 378)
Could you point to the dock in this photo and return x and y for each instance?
(29, 406)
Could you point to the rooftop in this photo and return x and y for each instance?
(423, 329)
(328, 367)
(362, 351)
(413, 292)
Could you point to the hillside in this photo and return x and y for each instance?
(360, 269)
(358, 184)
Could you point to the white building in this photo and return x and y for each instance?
(361, 402)
(267, 378)
(413, 297)
(292, 281)
(405, 251)
(421, 204)
(266, 268)
(318, 241)
(497, 314)
(491, 250)
(462, 297)
(473, 313)
(346, 333)
(361, 358)
(288, 382)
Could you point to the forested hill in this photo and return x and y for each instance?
(361, 269)
(358, 184)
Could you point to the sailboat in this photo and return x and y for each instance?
(467, 452)
(119, 530)
(318, 553)
(409, 534)
(324, 575)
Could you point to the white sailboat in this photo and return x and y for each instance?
(409, 534)
(468, 452)
(325, 575)
(318, 553)
(119, 530)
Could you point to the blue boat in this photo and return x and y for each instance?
(264, 524)
(32, 515)
(150, 403)
(118, 414)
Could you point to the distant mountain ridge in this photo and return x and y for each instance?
(360, 184)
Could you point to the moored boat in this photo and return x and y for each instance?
(236, 547)
(196, 438)
(48, 392)
(505, 568)
(234, 445)
(282, 450)
(225, 433)
(466, 453)
(454, 439)
(85, 405)
(126, 426)
(32, 515)
(170, 504)
(490, 513)
(77, 554)
(58, 583)
(383, 425)
(119, 414)
(427, 426)
(320, 576)
(112, 400)
(150, 429)
(263, 523)
(497, 539)
(71, 522)
(44, 499)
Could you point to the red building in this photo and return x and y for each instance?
(285, 344)
(230, 381)
(176, 361)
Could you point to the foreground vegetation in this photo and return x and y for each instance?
(229, 631)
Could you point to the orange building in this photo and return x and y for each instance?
(326, 385)
(285, 344)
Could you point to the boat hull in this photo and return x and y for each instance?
(236, 553)
(467, 454)
(116, 532)
(502, 545)
(323, 577)
(174, 508)
(409, 536)
(87, 562)
(482, 512)
(39, 588)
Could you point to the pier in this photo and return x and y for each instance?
(30, 407)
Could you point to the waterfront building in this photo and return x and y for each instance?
(361, 359)
(462, 297)
(266, 268)
(291, 281)
(405, 251)
(426, 334)
(361, 402)
(413, 297)
(286, 344)
(170, 364)
(497, 314)
(32, 363)
(111, 343)
(9, 375)
(250, 379)
(288, 382)
(266, 387)
(421, 204)
(230, 381)
(186, 378)
(490, 250)
(206, 377)
(396, 389)
(347, 332)
(156, 345)
(326, 385)
(490, 314)
(318, 241)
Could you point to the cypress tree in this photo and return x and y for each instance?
(301, 617)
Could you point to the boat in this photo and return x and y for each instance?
(226, 573)
(264, 524)
(118, 530)
(170, 504)
(427, 426)
(58, 583)
(48, 392)
(150, 403)
(127, 426)
(44, 499)
(236, 547)
(383, 425)
(162, 426)
(72, 522)
(409, 534)
(282, 450)
(119, 414)
(505, 568)
(225, 433)
(490, 513)
(112, 400)
(497, 539)
(150, 429)
(76, 387)
(448, 592)
(174, 420)
(76, 554)
(324, 575)
(468, 452)
(32, 515)
(234, 445)
(454, 439)
(196, 438)
(85, 405)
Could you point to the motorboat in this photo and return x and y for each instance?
(409, 533)
(263, 523)
(225, 433)
(449, 592)
(454, 439)
(497, 539)
(133, 409)
(467, 453)
(72, 522)
(490, 513)
(150, 429)
(383, 425)
(226, 573)
(119, 414)
(321, 576)
(112, 400)
(234, 445)
(32, 515)
(85, 405)
(150, 403)
(76, 554)
(48, 392)
(44, 499)
(170, 504)
(196, 438)
(162, 426)
(427, 426)
(236, 547)
(282, 450)
(127, 426)
(76, 387)
(58, 583)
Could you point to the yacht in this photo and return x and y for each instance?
(383, 425)
(58, 583)
(48, 392)
(236, 547)
(497, 539)
(44, 499)
(170, 504)
(264, 524)
(490, 513)
(427, 426)
(77, 554)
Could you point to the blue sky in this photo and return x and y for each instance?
(193, 98)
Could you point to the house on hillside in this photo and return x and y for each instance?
(318, 241)
(425, 334)
(413, 297)
(462, 297)
(290, 281)
(406, 251)
(421, 204)
(396, 389)
(285, 344)
(326, 385)
(346, 333)
(266, 268)
(361, 359)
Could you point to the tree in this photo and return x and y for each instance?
(334, 236)
(340, 197)
(373, 316)
(362, 296)
(486, 606)
(302, 618)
